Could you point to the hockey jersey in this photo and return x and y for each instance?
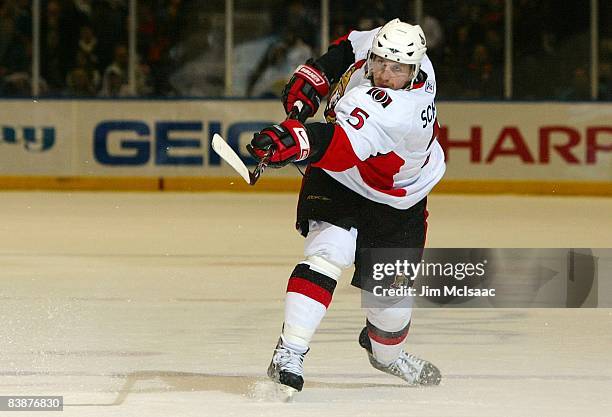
(387, 148)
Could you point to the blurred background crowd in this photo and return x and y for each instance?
(181, 49)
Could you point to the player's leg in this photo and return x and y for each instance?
(387, 327)
(328, 250)
(383, 338)
(326, 217)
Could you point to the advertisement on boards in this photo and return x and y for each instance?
(138, 138)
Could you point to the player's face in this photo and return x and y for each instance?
(390, 74)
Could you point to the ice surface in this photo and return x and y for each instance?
(161, 304)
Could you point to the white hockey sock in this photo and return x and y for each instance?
(302, 318)
(387, 331)
(309, 292)
(386, 354)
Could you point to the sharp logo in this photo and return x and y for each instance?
(584, 146)
(33, 138)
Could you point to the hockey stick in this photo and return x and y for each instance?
(226, 152)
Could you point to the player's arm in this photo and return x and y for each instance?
(311, 82)
(325, 145)
(338, 58)
(363, 128)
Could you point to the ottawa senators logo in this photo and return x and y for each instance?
(339, 90)
(380, 96)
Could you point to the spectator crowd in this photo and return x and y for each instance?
(84, 46)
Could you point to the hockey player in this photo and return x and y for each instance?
(370, 169)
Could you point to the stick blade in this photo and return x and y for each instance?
(225, 151)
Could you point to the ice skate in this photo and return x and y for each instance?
(286, 368)
(407, 366)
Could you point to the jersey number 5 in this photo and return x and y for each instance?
(360, 115)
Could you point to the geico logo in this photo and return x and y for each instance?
(567, 144)
(33, 138)
(183, 143)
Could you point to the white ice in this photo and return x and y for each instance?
(164, 304)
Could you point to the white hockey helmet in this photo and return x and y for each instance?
(400, 42)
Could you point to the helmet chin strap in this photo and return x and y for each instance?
(417, 68)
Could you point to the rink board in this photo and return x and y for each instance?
(542, 148)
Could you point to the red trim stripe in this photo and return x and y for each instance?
(425, 216)
(434, 136)
(339, 155)
(435, 133)
(310, 290)
(378, 172)
(425, 224)
(359, 64)
(340, 39)
(387, 341)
